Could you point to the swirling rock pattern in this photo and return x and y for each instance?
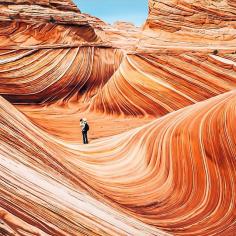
(162, 83)
(41, 26)
(161, 104)
(61, 73)
(195, 140)
(35, 36)
(54, 202)
(195, 24)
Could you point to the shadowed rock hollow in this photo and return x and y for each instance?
(161, 104)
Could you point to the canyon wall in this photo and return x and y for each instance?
(161, 105)
(200, 24)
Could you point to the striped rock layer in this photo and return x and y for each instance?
(161, 104)
(199, 24)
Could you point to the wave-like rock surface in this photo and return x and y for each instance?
(176, 173)
(40, 76)
(161, 104)
(29, 25)
(45, 35)
(162, 83)
(25, 26)
(44, 191)
(198, 24)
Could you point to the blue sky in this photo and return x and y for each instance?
(113, 10)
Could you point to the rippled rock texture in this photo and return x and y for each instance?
(161, 104)
(199, 24)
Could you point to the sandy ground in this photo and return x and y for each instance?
(64, 123)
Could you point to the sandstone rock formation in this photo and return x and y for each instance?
(65, 5)
(200, 24)
(162, 83)
(40, 25)
(161, 104)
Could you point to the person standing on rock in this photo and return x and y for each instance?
(85, 128)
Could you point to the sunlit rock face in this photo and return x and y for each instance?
(46, 75)
(52, 23)
(165, 82)
(209, 18)
(123, 35)
(66, 5)
(161, 105)
(186, 24)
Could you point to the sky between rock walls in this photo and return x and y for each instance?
(135, 11)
